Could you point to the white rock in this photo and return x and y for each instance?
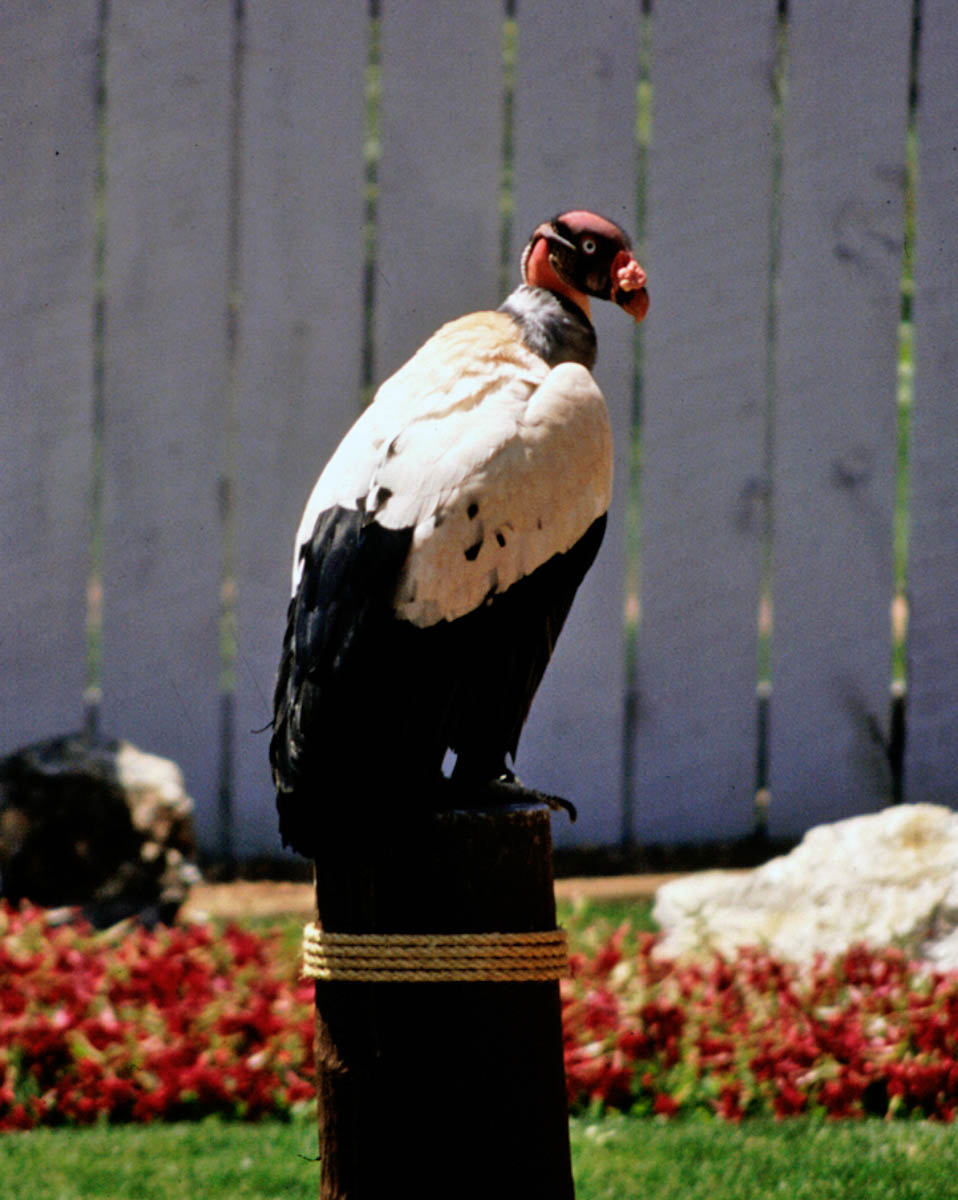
(138, 771)
(889, 878)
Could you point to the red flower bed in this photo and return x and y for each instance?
(135, 1026)
(869, 1032)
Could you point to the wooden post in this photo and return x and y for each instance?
(441, 1088)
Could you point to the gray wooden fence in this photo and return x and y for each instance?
(215, 215)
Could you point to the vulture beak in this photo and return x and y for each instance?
(551, 234)
(628, 283)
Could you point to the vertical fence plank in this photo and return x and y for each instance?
(703, 485)
(437, 235)
(835, 434)
(575, 98)
(48, 99)
(169, 87)
(931, 765)
(300, 327)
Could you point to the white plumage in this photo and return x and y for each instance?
(530, 447)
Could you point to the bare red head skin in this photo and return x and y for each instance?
(580, 254)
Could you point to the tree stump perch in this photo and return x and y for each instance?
(440, 1088)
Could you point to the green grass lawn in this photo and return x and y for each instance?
(604, 915)
(614, 1158)
(797, 1159)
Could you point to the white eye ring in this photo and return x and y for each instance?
(588, 246)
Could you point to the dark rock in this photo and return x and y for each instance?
(99, 825)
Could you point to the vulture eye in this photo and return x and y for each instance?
(588, 245)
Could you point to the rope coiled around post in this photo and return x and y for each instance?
(434, 958)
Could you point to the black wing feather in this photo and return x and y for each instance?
(332, 650)
(366, 704)
(504, 648)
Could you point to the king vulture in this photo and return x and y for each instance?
(441, 547)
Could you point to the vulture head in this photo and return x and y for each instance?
(580, 254)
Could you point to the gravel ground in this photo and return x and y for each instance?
(277, 899)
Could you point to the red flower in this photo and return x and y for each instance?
(181, 1022)
(665, 1105)
(789, 1100)
(730, 1104)
(146, 1025)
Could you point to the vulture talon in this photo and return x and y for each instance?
(560, 804)
(516, 792)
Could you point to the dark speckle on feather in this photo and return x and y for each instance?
(472, 553)
(473, 510)
(500, 537)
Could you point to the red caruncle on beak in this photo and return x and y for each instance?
(629, 285)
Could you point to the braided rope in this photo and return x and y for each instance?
(434, 957)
